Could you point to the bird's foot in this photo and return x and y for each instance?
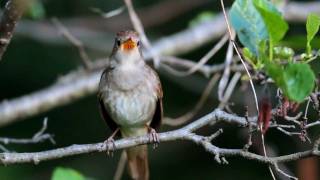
(110, 146)
(109, 143)
(154, 138)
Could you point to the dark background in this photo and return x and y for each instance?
(30, 64)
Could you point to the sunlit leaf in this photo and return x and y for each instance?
(295, 80)
(248, 24)
(61, 173)
(36, 10)
(276, 25)
(299, 80)
(313, 23)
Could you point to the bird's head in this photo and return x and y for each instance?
(127, 46)
(127, 41)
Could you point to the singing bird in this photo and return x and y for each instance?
(130, 99)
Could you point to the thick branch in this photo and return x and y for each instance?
(185, 133)
(80, 83)
(11, 14)
(85, 83)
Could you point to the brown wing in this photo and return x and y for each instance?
(103, 111)
(105, 115)
(157, 118)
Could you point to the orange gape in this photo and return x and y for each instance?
(128, 45)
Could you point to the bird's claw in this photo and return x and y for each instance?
(110, 146)
(154, 138)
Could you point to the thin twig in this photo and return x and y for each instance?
(232, 84)
(121, 166)
(283, 173)
(171, 64)
(189, 115)
(139, 28)
(204, 59)
(307, 107)
(74, 41)
(109, 14)
(38, 137)
(249, 141)
(226, 73)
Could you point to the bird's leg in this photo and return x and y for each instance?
(153, 137)
(109, 143)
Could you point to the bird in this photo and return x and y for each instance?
(130, 99)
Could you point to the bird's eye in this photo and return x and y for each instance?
(138, 43)
(118, 42)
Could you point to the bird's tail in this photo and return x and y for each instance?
(137, 156)
(138, 162)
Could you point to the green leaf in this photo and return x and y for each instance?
(283, 53)
(36, 10)
(276, 25)
(202, 17)
(313, 23)
(61, 173)
(295, 80)
(299, 79)
(248, 24)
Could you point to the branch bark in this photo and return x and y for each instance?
(10, 17)
(85, 83)
(184, 133)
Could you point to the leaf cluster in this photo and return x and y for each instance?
(260, 27)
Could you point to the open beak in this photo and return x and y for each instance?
(128, 45)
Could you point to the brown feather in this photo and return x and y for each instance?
(105, 115)
(103, 111)
(138, 162)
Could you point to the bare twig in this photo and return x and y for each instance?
(185, 133)
(67, 89)
(189, 115)
(3, 149)
(74, 41)
(38, 137)
(232, 84)
(11, 15)
(204, 59)
(121, 166)
(307, 108)
(109, 14)
(139, 28)
(239, 55)
(275, 165)
(249, 141)
(171, 64)
(226, 73)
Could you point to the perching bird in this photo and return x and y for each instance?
(130, 98)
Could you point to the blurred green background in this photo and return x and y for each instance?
(37, 56)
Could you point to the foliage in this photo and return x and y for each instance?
(36, 10)
(312, 26)
(61, 173)
(202, 17)
(260, 27)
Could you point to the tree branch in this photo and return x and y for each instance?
(184, 133)
(81, 83)
(11, 15)
(85, 83)
(38, 137)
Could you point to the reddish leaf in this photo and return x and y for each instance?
(264, 114)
